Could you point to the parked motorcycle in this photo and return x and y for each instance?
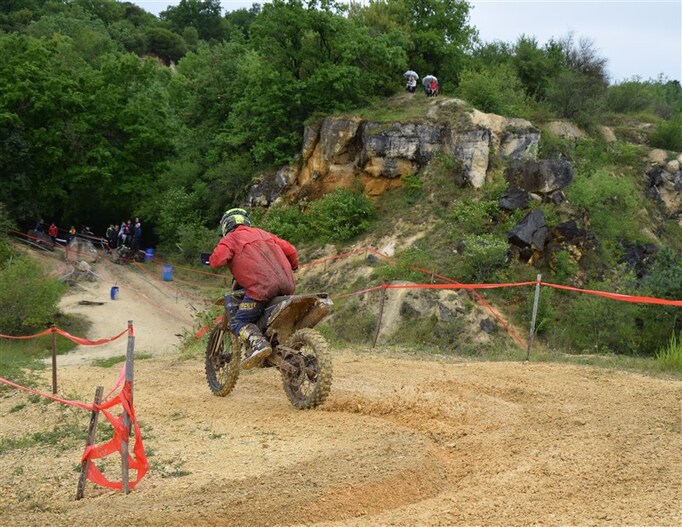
(299, 352)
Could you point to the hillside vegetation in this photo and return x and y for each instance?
(108, 112)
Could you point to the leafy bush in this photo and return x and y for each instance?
(610, 199)
(405, 266)
(27, 300)
(600, 325)
(576, 96)
(176, 209)
(628, 97)
(337, 217)
(668, 135)
(287, 222)
(472, 215)
(192, 240)
(483, 255)
(494, 90)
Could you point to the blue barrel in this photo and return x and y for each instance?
(167, 273)
(148, 255)
(114, 293)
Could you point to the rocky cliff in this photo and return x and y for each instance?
(342, 151)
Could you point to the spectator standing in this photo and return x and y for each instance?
(137, 235)
(71, 234)
(53, 231)
(122, 234)
(111, 235)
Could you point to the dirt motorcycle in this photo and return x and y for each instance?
(299, 352)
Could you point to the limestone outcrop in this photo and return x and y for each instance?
(339, 152)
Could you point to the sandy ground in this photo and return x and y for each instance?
(403, 440)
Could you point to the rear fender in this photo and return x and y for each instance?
(286, 315)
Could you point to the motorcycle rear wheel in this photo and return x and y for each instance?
(309, 386)
(223, 355)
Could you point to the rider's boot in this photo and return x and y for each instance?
(259, 345)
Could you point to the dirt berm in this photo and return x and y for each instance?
(403, 440)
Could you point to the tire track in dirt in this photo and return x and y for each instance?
(403, 440)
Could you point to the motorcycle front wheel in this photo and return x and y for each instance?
(310, 381)
(223, 355)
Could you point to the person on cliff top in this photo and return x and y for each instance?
(262, 264)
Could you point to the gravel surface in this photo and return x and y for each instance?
(402, 440)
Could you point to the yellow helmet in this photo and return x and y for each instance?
(232, 218)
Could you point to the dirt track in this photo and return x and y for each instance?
(402, 440)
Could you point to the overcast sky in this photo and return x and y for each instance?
(639, 38)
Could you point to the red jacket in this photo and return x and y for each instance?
(261, 262)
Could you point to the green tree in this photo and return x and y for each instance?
(204, 15)
(537, 67)
(578, 90)
(28, 302)
(165, 44)
(494, 90)
(438, 36)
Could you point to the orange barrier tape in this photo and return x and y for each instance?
(457, 286)
(77, 340)
(204, 329)
(92, 452)
(618, 296)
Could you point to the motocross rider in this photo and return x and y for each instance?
(262, 264)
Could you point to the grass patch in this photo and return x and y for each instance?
(111, 361)
(65, 435)
(670, 357)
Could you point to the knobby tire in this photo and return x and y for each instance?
(315, 386)
(222, 367)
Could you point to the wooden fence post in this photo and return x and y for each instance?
(125, 479)
(90, 440)
(533, 317)
(54, 359)
(381, 312)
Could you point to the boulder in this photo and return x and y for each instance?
(543, 176)
(657, 157)
(639, 257)
(565, 129)
(514, 198)
(672, 166)
(530, 232)
(607, 134)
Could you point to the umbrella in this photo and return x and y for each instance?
(427, 80)
(410, 73)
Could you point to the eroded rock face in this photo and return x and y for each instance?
(339, 151)
(542, 177)
(664, 179)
